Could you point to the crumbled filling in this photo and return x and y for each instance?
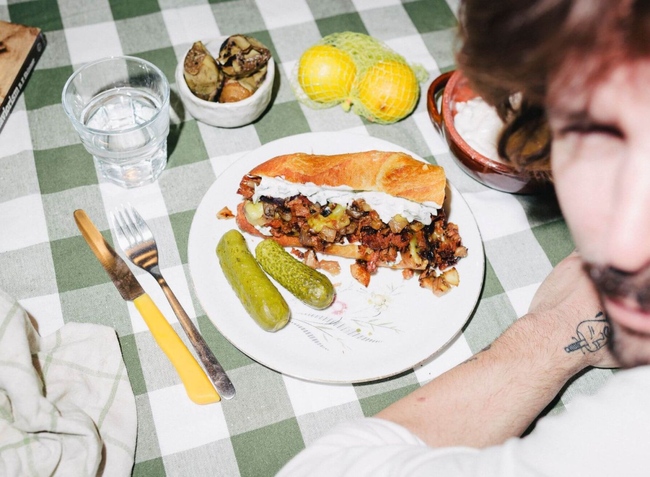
(437, 246)
(225, 214)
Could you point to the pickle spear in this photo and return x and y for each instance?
(260, 298)
(309, 286)
(202, 75)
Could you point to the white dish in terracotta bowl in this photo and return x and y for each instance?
(493, 173)
(225, 115)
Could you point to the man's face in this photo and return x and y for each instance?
(601, 168)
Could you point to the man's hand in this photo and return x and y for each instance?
(568, 299)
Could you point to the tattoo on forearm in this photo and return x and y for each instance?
(592, 335)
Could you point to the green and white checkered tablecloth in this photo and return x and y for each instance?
(45, 174)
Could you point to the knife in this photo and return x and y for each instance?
(197, 385)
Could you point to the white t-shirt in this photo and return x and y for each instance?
(607, 434)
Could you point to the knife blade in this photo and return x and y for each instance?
(197, 385)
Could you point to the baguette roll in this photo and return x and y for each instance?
(383, 209)
(393, 173)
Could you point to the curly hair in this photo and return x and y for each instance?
(531, 47)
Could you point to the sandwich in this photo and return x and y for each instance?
(382, 209)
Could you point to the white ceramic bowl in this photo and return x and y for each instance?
(225, 115)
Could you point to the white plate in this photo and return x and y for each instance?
(368, 333)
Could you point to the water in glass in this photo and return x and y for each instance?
(136, 153)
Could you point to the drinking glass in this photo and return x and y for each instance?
(120, 108)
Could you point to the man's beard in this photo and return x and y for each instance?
(631, 349)
(617, 284)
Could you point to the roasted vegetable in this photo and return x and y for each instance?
(233, 91)
(202, 75)
(254, 212)
(255, 80)
(335, 219)
(241, 56)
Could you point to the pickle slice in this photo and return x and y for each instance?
(308, 285)
(255, 291)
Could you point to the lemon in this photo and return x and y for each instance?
(326, 73)
(389, 91)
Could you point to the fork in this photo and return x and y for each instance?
(139, 245)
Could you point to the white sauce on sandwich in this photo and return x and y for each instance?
(386, 205)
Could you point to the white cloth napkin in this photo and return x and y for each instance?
(66, 404)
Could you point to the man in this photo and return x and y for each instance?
(583, 67)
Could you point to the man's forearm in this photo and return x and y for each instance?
(497, 393)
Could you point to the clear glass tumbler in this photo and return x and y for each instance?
(120, 108)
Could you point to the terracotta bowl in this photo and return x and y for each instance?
(497, 175)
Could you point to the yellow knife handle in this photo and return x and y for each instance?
(197, 385)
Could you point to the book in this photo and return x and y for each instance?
(20, 48)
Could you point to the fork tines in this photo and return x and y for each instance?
(134, 235)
